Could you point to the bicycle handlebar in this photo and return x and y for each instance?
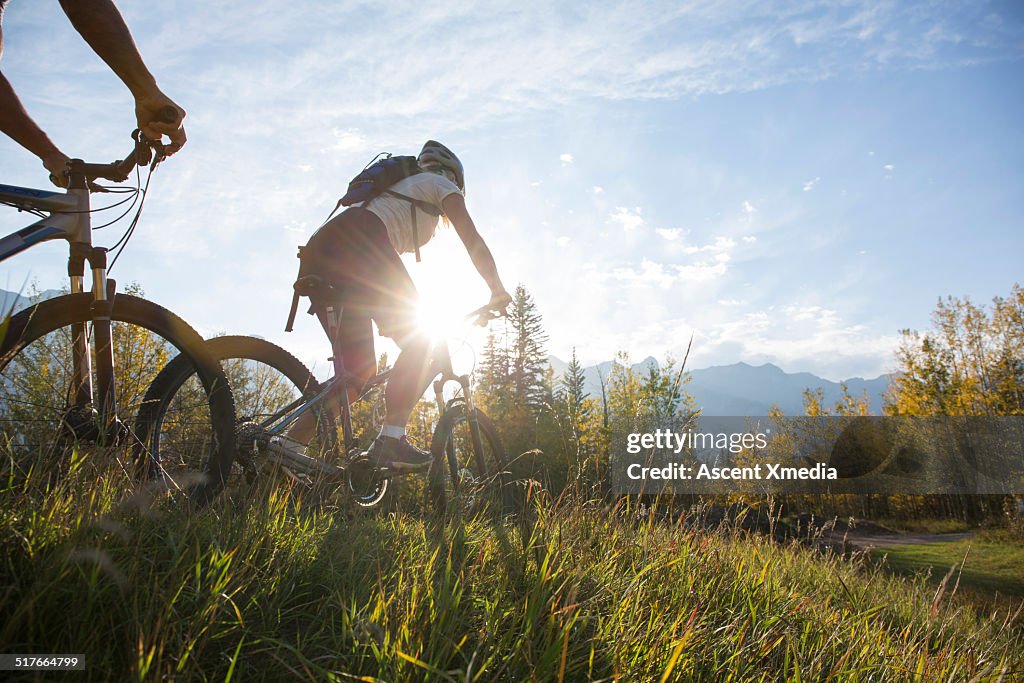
(485, 314)
(146, 151)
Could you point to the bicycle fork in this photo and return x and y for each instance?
(100, 399)
(471, 420)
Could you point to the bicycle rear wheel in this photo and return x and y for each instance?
(37, 411)
(265, 380)
(467, 477)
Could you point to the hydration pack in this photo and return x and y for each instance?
(377, 178)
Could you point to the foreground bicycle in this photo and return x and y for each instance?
(273, 389)
(74, 368)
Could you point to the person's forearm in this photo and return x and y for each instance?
(479, 253)
(485, 265)
(101, 25)
(19, 126)
(454, 207)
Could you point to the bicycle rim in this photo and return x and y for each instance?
(467, 479)
(37, 413)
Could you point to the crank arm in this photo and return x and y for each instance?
(301, 464)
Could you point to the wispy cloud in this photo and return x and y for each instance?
(463, 64)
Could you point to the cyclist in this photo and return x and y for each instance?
(358, 253)
(103, 28)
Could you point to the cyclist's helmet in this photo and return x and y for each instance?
(434, 155)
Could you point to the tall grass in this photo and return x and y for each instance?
(573, 591)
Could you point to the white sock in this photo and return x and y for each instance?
(393, 431)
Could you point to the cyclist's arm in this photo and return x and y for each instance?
(454, 206)
(19, 126)
(101, 25)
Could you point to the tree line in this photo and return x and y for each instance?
(970, 363)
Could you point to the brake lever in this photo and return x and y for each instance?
(147, 151)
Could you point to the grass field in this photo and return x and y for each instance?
(988, 565)
(572, 591)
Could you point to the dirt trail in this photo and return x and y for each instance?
(889, 540)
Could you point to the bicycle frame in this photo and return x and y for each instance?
(70, 220)
(441, 366)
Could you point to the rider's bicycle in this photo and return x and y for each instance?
(273, 389)
(61, 386)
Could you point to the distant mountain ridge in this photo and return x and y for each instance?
(12, 302)
(744, 389)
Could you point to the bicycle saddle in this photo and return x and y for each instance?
(315, 287)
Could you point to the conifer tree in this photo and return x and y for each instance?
(573, 387)
(528, 358)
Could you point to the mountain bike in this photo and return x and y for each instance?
(273, 389)
(74, 367)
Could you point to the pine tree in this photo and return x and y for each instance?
(575, 410)
(573, 394)
(493, 377)
(528, 357)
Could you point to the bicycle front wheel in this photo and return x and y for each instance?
(40, 414)
(468, 474)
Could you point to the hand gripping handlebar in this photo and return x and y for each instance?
(146, 151)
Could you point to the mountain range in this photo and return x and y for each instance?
(743, 389)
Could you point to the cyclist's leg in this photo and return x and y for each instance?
(411, 374)
(393, 306)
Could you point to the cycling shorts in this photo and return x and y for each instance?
(352, 252)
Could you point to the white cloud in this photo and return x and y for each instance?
(664, 276)
(809, 184)
(748, 208)
(629, 219)
(349, 140)
(803, 336)
(720, 245)
(670, 234)
(565, 158)
(597, 189)
(749, 239)
(563, 241)
(889, 168)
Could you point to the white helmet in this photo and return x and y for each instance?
(436, 154)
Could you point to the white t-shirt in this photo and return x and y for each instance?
(397, 216)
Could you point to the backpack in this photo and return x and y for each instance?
(377, 178)
(379, 175)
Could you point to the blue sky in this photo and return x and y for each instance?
(788, 182)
